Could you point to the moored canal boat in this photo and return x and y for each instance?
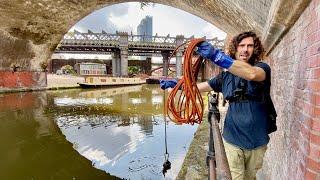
(101, 81)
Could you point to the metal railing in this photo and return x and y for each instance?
(218, 167)
(78, 38)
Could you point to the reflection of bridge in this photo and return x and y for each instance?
(122, 45)
(127, 100)
(104, 107)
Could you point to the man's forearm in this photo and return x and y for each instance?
(246, 71)
(204, 87)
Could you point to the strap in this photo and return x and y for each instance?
(233, 82)
(242, 83)
(245, 98)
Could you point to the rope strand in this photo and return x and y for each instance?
(185, 104)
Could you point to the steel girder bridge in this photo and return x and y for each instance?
(121, 45)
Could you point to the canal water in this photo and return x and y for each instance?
(80, 134)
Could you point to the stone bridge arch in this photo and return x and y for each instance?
(33, 28)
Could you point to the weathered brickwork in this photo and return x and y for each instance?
(258, 8)
(210, 70)
(294, 151)
(26, 79)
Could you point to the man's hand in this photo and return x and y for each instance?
(167, 83)
(206, 50)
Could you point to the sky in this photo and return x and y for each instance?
(166, 20)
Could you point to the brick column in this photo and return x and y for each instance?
(123, 45)
(165, 57)
(116, 64)
(148, 65)
(178, 64)
(179, 41)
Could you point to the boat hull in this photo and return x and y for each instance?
(95, 82)
(152, 81)
(86, 85)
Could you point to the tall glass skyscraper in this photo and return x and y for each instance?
(145, 27)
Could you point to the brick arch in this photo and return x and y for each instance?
(42, 25)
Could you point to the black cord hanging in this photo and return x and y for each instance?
(167, 163)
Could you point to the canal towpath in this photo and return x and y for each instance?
(63, 81)
(54, 82)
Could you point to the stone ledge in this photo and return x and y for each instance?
(35, 89)
(282, 16)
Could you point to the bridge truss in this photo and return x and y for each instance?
(136, 45)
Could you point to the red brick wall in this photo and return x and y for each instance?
(294, 150)
(210, 70)
(27, 79)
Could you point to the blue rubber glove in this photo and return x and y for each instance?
(206, 50)
(167, 83)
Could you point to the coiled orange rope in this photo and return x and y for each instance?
(185, 104)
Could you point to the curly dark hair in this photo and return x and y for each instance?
(258, 51)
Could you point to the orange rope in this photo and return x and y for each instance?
(185, 104)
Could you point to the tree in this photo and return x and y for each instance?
(67, 69)
(43, 66)
(133, 70)
(144, 4)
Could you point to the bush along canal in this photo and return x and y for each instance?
(97, 134)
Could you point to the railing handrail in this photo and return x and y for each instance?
(131, 38)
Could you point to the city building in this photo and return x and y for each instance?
(145, 28)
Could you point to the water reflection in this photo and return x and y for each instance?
(124, 136)
(120, 130)
(144, 98)
(32, 147)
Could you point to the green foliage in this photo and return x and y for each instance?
(67, 69)
(133, 69)
(144, 4)
(43, 66)
(15, 66)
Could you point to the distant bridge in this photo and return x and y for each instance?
(138, 45)
(121, 45)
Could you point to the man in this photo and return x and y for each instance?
(245, 84)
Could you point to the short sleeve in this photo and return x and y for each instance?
(266, 69)
(216, 83)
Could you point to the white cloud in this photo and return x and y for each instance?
(212, 31)
(95, 155)
(166, 20)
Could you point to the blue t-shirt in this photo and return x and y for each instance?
(245, 124)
